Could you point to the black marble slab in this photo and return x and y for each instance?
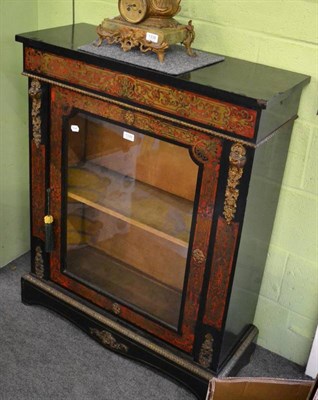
(244, 82)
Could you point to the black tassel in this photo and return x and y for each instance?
(49, 235)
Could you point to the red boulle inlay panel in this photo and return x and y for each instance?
(181, 103)
(38, 189)
(222, 264)
(206, 150)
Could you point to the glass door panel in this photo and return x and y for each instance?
(129, 213)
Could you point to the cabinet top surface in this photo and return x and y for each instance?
(254, 84)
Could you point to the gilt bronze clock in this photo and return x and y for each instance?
(148, 25)
(133, 11)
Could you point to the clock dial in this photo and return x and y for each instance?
(133, 11)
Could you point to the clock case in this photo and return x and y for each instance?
(153, 29)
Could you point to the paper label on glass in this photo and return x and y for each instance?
(75, 128)
(129, 136)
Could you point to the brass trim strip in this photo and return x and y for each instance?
(144, 111)
(274, 133)
(187, 365)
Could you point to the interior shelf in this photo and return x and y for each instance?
(123, 282)
(144, 206)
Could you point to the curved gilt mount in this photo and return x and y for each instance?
(206, 352)
(237, 162)
(147, 38)
(35, 93)
(108, 340)
(204, 151)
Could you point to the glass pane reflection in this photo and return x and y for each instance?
(129, 212)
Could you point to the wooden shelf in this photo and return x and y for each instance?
(122, 217)
(141, 205)
(97, 269)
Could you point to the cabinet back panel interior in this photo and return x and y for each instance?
(159, 163)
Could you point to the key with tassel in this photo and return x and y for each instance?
(48, 226)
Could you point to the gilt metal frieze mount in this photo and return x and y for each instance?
(35, 93)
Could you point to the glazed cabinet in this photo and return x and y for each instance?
(152, 200)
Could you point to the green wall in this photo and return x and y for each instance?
(15, 16)
(282, 34)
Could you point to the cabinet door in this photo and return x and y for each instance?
(133, 200)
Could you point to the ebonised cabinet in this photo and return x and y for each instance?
(163, 191)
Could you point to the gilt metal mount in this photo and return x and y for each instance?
(108, 340)
(237, 160)
(35, 93)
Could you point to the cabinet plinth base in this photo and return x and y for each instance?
(116, 337)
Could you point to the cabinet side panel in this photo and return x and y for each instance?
(282, 109)
(38, 103)
(264, 189)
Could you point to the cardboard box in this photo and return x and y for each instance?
(258, 389)
(313, 395)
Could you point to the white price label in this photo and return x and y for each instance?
(152, 37)
(129, 136)
(75, 128)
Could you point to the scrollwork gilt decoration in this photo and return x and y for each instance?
(237, 161)
(129, 117)
(35, 92)
(206, 352)
(130, 38)
(116, 308)
(204, 151)
(39, 263)
(198, 256)
(148, 17)
(108, 340)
